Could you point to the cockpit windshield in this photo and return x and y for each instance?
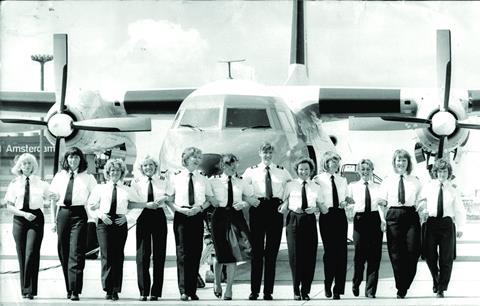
(200, 118)
(247, 118)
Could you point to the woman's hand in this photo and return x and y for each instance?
(183, 210)
(106, 219)
(121, 220)
(253, 201)
(151, 205)
(29, 216)
(383, 226)
(239, 205)
(459, 234)
(311, 210)
(323, 209)
(195, 210)
(54, 196)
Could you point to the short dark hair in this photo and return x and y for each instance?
(442, 164)
(229, 158)
(266, 147)
(75, 151)
(304, 160)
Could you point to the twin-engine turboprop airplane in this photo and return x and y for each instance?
(237, 116)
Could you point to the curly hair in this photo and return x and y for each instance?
(114, 163)
(17, 168)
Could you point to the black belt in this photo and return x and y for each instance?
(267, 199)
(365, 213)
(72, 207)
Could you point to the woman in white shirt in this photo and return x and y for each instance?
(302, 199)
(333, 225)
(151, 229)
(108, 203)
(190, 191)
(25, 196)
(368, 223)
(401, 194)
(229, 190)
(445, 212)
(71, 187)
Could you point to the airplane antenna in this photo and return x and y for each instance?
(229, 62)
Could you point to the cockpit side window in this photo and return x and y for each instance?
(247, 118)
(200, 118)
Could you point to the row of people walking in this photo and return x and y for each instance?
(268, 192)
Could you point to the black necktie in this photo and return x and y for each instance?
(401, 191)
(368, 199)
(334, 192)
(230, 192)
(268, 184)
(26, 197)
(150, 190)
(113, 203)
(67, 199)
(304, 196)
(440, 202)
(191, 192)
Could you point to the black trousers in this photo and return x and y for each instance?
(333, 230)
(72, 239)
(403, 240)
(440, 236)
(28, 237)
(112, 240)
(367, 237)
(266, 226)
(189, 244)
(92, 240)
(302, 240)
(151, 235)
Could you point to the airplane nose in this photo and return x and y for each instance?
(211, 164)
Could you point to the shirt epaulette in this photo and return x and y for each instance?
(163, 171)
(201, 172)
(125, 183)
(217, 176)
(279, 167)
(178, 172)
(238, 176)
(253, 167)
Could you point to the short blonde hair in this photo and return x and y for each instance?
(17, 168)
(401, 153)
(144, 160)
(112, 163)
(304, 160)
(365, 161)
(327, 156)
(442, 164)
(266, 147)
(189, 152)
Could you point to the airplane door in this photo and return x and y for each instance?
(287, 126)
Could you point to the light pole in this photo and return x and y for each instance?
(42, 59)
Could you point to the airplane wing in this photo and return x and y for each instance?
(35, 102)
(158, 101)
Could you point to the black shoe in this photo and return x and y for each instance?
(435, 289)
(328, 292)
(184, 297)
(143, 298)
(401, 294)
(153, 298)
(440, 294)
(336, 296)
(227, 298)
(24, 296)
(356, 291)
(114, 296)
(30, 296)
(267, 297)
(69, 295)
(194, 297)
(370, 295)
(305, 297)
(253, 296)
(108, 296)
(296, 297)
(75, 297)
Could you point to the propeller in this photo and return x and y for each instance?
(61, 124)
(443, 123)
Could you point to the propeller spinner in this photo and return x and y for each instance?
(62, 124)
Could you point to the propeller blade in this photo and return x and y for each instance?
(122, 124)
(444, 65)
(59, 148)
(441, 146)
(376, 124)
(60, 58)
(468, 126)
(407, 119)
(23, 121)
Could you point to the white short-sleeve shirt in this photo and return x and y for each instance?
(220, 189)
(389, 190)
(293, 193)
(179, 187)
(83, 185)
(16, 192)
(324, 180)
(102, 196)
(356, 191)
(255, 176)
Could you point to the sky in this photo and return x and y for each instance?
(116, 46)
